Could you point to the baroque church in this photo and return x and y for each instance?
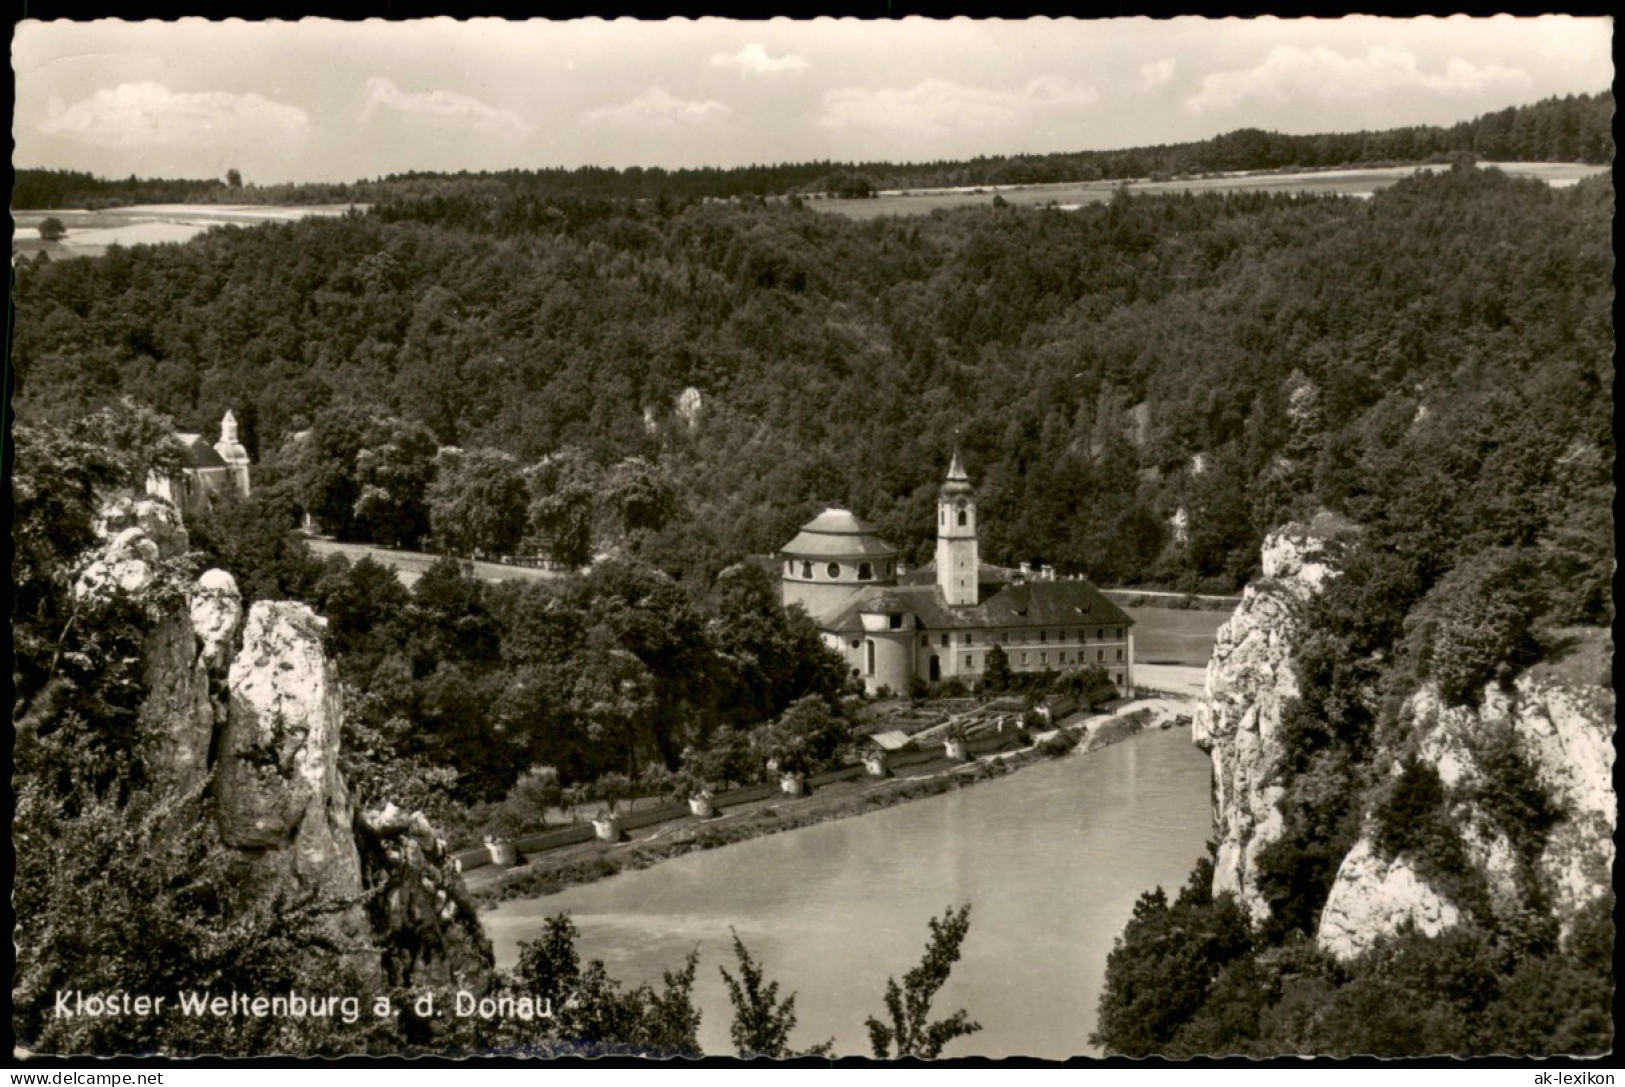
(943, 620)
(210, 470)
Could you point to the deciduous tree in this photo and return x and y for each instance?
(910, 1032)
(762, 1022)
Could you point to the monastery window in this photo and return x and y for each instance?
(1100, 654)
(1118, 633)
(945, 639)
(970, 662)
(1043, 636)
(1100, 635)
(896, 621)
(869, 658)
(970, 639)
(866, 571)
(1043, 658)
(834, 569)
(1119, 654)
(1024, 660)
(888, 569)
(942, 516)
(1004, 636)
(925, 641)
(806, 570)
(1061, 657)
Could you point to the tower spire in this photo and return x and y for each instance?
(958, 563)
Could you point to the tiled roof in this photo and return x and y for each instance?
(200, 452)
(1028, 604)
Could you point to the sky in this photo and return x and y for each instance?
(318, 100)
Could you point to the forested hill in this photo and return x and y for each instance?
(1435, 360)
(1570, 129)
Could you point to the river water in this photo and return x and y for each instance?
(1051, 858)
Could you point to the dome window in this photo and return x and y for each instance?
(834, 570)
(866, 571)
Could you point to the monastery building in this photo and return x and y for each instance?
(943, 619)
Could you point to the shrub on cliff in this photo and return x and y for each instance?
(1477, 625)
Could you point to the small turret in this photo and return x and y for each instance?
(232, 452)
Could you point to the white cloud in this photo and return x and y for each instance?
(447, 104)
(938, 105)
(150, 114)
(1156, 73)
(658, 108)
(754, 60)
(1291, 72)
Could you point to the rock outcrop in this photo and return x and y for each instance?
(429, 927)
(277, 786)
(256, 707)
(1562, 734)
(1249, 679)
(1565, 736)
(1374, 897)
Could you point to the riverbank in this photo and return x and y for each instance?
(545, 875)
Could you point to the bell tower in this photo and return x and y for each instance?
(958, 563)
(232, 452)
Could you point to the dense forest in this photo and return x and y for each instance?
(1141, 389)
(1570, 129)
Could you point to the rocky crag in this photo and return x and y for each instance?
(1565, 736)
(1561, 732)
(250, 707)
(1238, 721)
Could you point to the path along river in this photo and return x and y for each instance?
(1051, 858)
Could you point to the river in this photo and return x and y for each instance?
(1052, 859)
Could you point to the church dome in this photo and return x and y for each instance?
(837, 533)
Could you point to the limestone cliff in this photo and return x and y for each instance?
(254, 707)
(1561, 733)
(1237, 722)
(1565, 735)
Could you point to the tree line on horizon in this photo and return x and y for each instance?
(1574, 128)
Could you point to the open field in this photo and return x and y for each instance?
(1068, 196)
(91, 232)
(1175, 637)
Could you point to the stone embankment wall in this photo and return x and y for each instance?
(469, 860)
